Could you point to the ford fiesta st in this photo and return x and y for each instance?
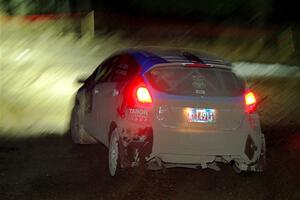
(169, 108)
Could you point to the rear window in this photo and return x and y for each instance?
(179, 80)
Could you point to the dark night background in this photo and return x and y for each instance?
(243, 11)
(251, 12)
(46, 45)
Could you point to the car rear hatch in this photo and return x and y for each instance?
(197, 99)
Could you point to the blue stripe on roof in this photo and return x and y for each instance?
(146, 60)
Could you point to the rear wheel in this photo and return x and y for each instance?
(114, 154)
(78, 134)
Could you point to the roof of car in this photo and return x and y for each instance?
(150, 56)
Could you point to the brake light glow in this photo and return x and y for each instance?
(250, 102)
(143, 95)
(137, 102)
(250, 98)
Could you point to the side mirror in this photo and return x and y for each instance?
(81, 80)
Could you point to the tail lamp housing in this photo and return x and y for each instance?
(143, 95)
(250, 102)
(137, 101)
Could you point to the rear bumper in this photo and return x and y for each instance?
(192, 147)
(182, 146)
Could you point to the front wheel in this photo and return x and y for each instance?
(78, 134)
(114, 154)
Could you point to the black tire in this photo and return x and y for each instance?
(78, 134)
(114, 166)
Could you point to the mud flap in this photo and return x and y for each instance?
(259, 165)
(133, 151)
(250, 147)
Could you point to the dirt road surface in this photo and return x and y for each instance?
(52, 167)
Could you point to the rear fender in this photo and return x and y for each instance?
(135, 145)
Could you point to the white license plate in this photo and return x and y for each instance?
(201, 115)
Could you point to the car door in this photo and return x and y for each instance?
(86, 99)
(93, 95)
(108, 99)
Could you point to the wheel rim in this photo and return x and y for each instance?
(113, 155)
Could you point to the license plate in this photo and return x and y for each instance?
(201, 115)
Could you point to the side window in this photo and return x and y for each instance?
(105, 69)
(89, 81)
(124, 69)
(120, 72)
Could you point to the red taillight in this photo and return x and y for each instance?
(137, 103)
(137, 94)
(250, 102)
(143, 95)
(250, 98)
